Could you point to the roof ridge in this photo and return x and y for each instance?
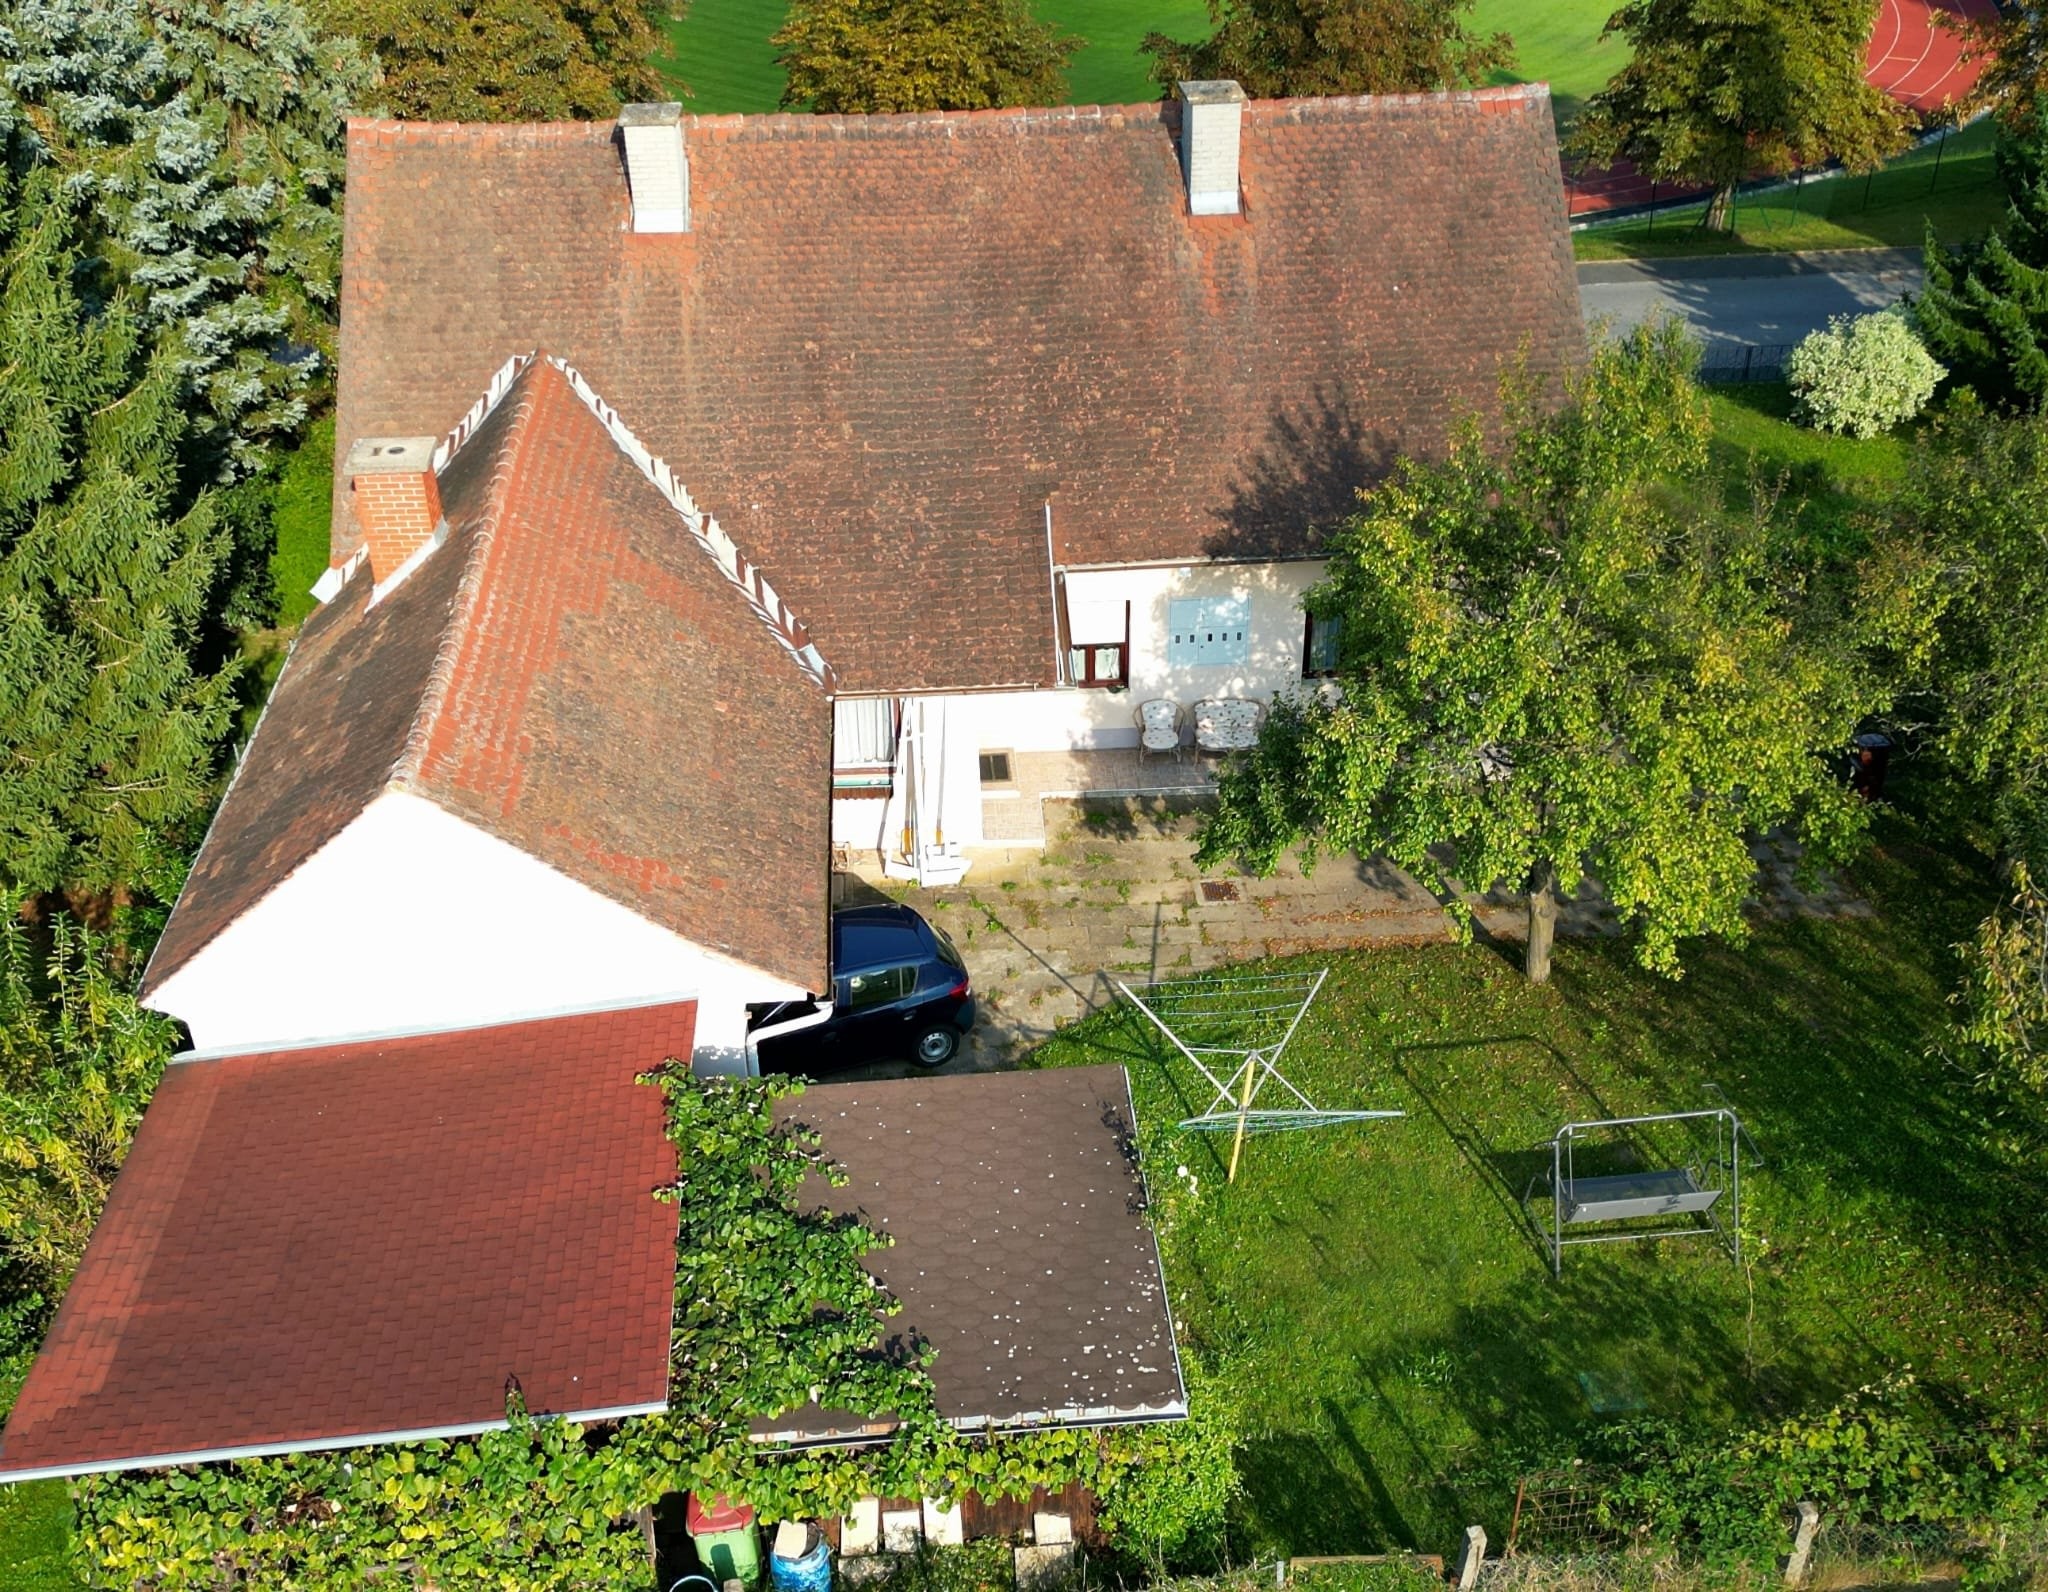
(741, 572)
(441, 677)
(947, 124)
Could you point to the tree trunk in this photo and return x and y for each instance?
(1721, 210)
(1542, 923)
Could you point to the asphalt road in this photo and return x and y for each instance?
(1754, 299)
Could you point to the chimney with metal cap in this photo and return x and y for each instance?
(397, 499)
(1211, 116)
(657, 169)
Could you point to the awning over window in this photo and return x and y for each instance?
(1097, 621)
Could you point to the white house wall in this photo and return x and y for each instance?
(1053, 721)
(411, 918)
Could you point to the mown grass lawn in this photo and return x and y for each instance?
(1377, 1298)
(1891, 209)
(719, 59)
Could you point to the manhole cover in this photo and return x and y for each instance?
(1218, 890)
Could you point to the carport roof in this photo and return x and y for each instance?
(372, 1240)
(1023, 1251)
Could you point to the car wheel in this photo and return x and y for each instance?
(936, 1046)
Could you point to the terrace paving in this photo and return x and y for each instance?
(1114, 893)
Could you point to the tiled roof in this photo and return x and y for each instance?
(888, 342)
(575, 672)
(326, 1246)
(1022, 1251)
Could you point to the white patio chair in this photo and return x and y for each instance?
(1158, 727)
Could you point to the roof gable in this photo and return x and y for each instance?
(583, 669)
(896, 351)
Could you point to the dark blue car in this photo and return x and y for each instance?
(899, 992)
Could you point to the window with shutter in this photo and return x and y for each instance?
(1208, 632)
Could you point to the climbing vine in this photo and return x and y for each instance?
(774, 1309)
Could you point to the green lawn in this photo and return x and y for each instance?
(1378, 1300)
(303, 507)
(1556, 42)
(1753, 421)
(35, 1538)
(720, 54)
(1892, 208)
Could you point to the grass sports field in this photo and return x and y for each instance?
(720, 59)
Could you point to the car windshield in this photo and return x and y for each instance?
(947, 949)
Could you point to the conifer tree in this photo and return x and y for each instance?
(1984, 309)
(108, 724)
(204, 141)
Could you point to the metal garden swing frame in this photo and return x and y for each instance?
(1695, 1190)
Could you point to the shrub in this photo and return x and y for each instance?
(1863, 375)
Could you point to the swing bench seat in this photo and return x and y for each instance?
(1631, 1196)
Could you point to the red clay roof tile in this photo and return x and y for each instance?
(888, 342)
(573, 672)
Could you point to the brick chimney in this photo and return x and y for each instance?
(397, 499)
(657, 169)
(1211, 116)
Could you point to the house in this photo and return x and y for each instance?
(1031, 415)
(794, 475)
(550, 743)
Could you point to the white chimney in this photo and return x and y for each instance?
(1211, 115)
(657, 170)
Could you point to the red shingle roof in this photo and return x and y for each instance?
(573, 672)
(320, 1247)
(889, 341)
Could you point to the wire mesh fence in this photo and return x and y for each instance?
(1738, 362)
(1567, 1511)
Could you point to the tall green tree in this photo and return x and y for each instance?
(508, 60)
(851, 56)
(1277, 48)
(1959, 586)
(203, 140)
(108, 721)
(1719, 90)
(1561, 657)
(1983, 310)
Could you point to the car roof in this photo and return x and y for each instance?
(882, 935)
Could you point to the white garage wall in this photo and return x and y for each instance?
(411, 919)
